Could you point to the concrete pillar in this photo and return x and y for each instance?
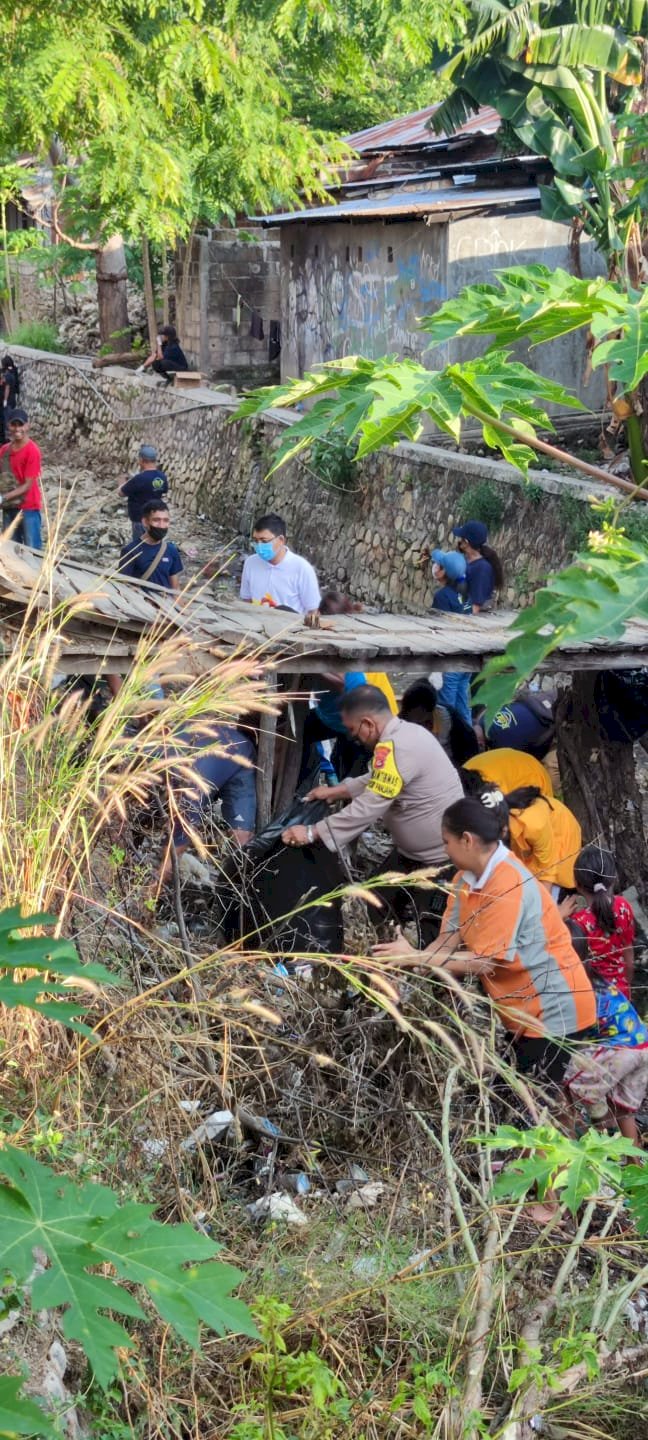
(204, 361)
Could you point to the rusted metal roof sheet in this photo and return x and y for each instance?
(413, 129)
(413, 202)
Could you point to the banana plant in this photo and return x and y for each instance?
(551, 70)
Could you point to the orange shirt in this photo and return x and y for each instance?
(547, 838)
(509, 769)
(538, 986)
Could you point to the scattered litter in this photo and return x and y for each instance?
(419, 1260)
(154, 1149)
(279, 1206)
(358, 1174)
(299, 1183)
(366, 1196)
(212, 1128)
(367, 1267)
(336, 1246)
(191, 868)
(191, 1107)
(636, 1313)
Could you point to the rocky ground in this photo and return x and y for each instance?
(96, 524)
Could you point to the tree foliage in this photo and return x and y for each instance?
(551, 68)
(380, 402)
(593, 599)
(18, 1415)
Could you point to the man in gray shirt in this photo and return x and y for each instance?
(410, 784)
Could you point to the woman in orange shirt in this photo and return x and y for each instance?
(545, 836)
(501, 925)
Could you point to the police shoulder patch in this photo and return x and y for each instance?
(386, 779)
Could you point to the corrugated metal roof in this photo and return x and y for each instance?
(411, 202)
(413, 129)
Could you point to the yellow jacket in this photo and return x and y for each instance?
(509, 769)
(382, 682)
(547, 838)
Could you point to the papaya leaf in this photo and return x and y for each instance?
(83, 1228)
(18, 1414)
(55, 960)
(593, 599)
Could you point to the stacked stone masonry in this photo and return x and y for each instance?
(365, 539)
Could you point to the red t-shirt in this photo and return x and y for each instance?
(607, 950)
(26, 465)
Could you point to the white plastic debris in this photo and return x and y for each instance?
(212, 1128)
(366, 1196)
(190, 1107)
(154, 1149)
(279, 1206)
(367, 1267)
(191, 868)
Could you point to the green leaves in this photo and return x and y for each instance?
(575, 1169)
(594, 598)
(18, 1415)
(545, 69)
(82, 1228)
(379, 402)
(49, 958)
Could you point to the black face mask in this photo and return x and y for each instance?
(157, 532)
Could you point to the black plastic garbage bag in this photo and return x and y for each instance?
(274, 882)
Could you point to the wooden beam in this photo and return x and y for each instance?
(265, 759)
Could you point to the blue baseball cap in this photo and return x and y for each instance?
(474, 531)
(148, 452)
(452, 561)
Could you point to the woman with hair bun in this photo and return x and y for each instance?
(502, 925)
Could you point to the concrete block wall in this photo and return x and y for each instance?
(365, 538)
(227, 266)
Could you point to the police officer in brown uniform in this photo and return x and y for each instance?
(410, 784)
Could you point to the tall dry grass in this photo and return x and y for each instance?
(63, 781)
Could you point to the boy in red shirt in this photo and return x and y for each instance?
(25, 497)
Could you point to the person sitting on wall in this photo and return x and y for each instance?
(168, 357)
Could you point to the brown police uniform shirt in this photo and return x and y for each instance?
(410, 784)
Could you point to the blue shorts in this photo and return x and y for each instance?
(224, 777)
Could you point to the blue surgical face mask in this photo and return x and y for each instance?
(264, 549)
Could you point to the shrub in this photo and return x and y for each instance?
(37, 335)
(482, 502)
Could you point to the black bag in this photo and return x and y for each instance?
(275, 881)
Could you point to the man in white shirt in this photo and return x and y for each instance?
(273, 575)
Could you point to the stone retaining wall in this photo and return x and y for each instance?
(365, 539)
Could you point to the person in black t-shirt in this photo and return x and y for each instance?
(169, 356)
(150, 483)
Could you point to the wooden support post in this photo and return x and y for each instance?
(265, 760)
(600, 783)
(292, 747)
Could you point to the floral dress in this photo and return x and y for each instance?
(607, 950)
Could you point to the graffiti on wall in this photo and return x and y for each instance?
(354, 290)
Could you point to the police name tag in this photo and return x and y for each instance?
(386, 779)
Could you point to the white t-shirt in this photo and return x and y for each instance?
(292, 582)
